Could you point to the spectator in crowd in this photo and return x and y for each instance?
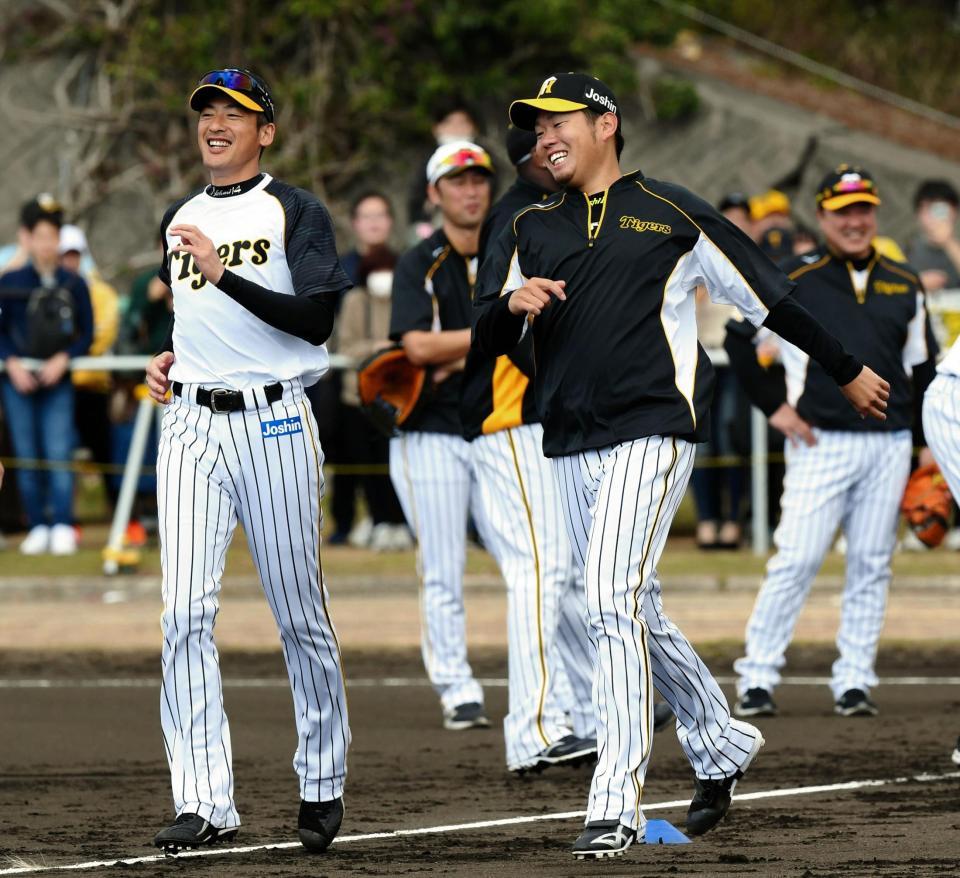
(364, 328)
(453, 120)
(146, 322)
(935, 251)
(147, 315)
(371, 219)
(47, 316)
(92, 388)
(717, 483)
(772, 224)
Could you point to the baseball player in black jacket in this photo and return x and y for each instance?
(603, 275)
(841, 471)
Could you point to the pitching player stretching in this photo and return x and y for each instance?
(604, 274)
(255, 277)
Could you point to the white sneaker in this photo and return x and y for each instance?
(37, 542)
(402, 540)
(911, 542)
(381, 540)
(361, 533)
(63, 540)
(840, 546)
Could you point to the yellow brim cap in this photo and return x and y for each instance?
(523, 113)
(839, 201)
(238, 96)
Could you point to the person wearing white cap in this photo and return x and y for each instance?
(430, 461)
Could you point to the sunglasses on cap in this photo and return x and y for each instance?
(244, 87)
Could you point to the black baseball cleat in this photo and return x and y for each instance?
(190, 831)
(662, 716)
(854, 702)
(711, 798)
(755, 702)
(319, 823)
(569, 750)
(465, 716)
(603, 838)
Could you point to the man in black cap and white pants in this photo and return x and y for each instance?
(255, 276)
(841, 471)
(604, 274)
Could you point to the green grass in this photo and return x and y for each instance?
(681, 559)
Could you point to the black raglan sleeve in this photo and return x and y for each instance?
(315, 271)
(411, 304)
(495, 330)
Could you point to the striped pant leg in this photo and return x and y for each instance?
(941, 425)
(278, 482)
(197, 517)
(431, 474)
(872, 516)
(814, 497)
(575, 655)
(526, 535)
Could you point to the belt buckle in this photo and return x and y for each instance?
(225, 395)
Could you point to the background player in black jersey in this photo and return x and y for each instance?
(841, 471)
(604, 274)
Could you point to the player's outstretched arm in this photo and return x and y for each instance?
(866, 391)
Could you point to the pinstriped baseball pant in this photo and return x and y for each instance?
(619, 503)
(941, 424)
(849, 479)
(528, 538)
(507, 484)
(213, 470)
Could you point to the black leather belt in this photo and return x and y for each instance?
(221, 401)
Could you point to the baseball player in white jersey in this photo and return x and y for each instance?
(841, 470)
(941, 424)
(255, 276)
(604, 274)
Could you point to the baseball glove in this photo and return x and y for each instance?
(926, 504)
(391, 388)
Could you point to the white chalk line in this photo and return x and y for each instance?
(479, 824)
(386, 682)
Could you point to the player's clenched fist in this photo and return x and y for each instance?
(868, 394)
(157, 381)
(535, 295)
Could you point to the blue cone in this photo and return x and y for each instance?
(663, 832)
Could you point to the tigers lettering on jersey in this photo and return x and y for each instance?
(272, 234)
(231, 255)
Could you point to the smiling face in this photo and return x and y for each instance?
(571, 144)
(230, 141)
(850, 229)
(463, 198)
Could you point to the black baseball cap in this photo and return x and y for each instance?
(246, 88)
(734, 199)
(520, 144)
(845, 185)
(565, 93)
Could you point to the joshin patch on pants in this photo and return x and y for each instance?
(282, 427)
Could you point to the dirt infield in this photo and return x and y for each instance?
(82, 777)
